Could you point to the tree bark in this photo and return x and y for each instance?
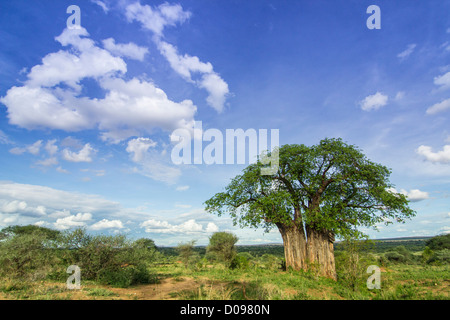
(320, 251)
(294, 242)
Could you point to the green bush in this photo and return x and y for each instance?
(239, 262)
(109, 259)
(187, 254)
(440, 257)
(400, 254)
(393, 256)
(126, 276)
(26, 255)
(222, 247)
(439, 242)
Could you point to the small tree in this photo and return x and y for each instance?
(186, 252)
(221, 246)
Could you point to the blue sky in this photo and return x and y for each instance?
(86, 114)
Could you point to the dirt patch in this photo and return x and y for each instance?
(167, 289)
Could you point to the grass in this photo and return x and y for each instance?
(215, 282)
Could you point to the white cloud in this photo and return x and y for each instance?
(183, 65)
(182, 188)
(48, 162)
(107, 224)
(212, 227)
(128, 108)
(101, 4)
(407, 52)
(439, 107)
(443, 81)
(188, 227)
(129, 50)
(51, 148)
(217, 89)
(73, 221)
(152, 164)
(22, 208)
(61, 170)
(139, 147)
(414, 195)
(34, 149)
(65, 67)
(155, 20)
(54, 200)
(442, 156)
(374, 102)
(84, 155)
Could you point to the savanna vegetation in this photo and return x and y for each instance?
(34, 261)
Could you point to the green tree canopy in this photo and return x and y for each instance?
(330, 186)
(318, 192)
(11, 231)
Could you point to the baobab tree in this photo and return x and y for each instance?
(317, 194)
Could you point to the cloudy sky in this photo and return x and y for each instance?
(88, 107)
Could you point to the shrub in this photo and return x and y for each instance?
(239, 262)
(26, 255)
(222, 247)
(187, 254)
(439, 242)
(440, 257)
(109, 259)
(400, 255)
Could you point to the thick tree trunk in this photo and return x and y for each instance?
(320, 252)
(294, 242)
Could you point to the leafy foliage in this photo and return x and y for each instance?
(330, 186)
(439, 242)
(187, 254)
(222, 246)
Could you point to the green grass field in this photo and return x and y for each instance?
(261, 278)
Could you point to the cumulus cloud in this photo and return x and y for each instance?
(107, 224)
(22, 208)
(51, 148)
(139, 147)
(184, 65)
(156, 19)
(442, 156)
(73, 221)
(34, 149)
(51, 98)
(374, 102)
(69, 68)
(84, 155)
(129, 50)
(188, 227)
(414, 195)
